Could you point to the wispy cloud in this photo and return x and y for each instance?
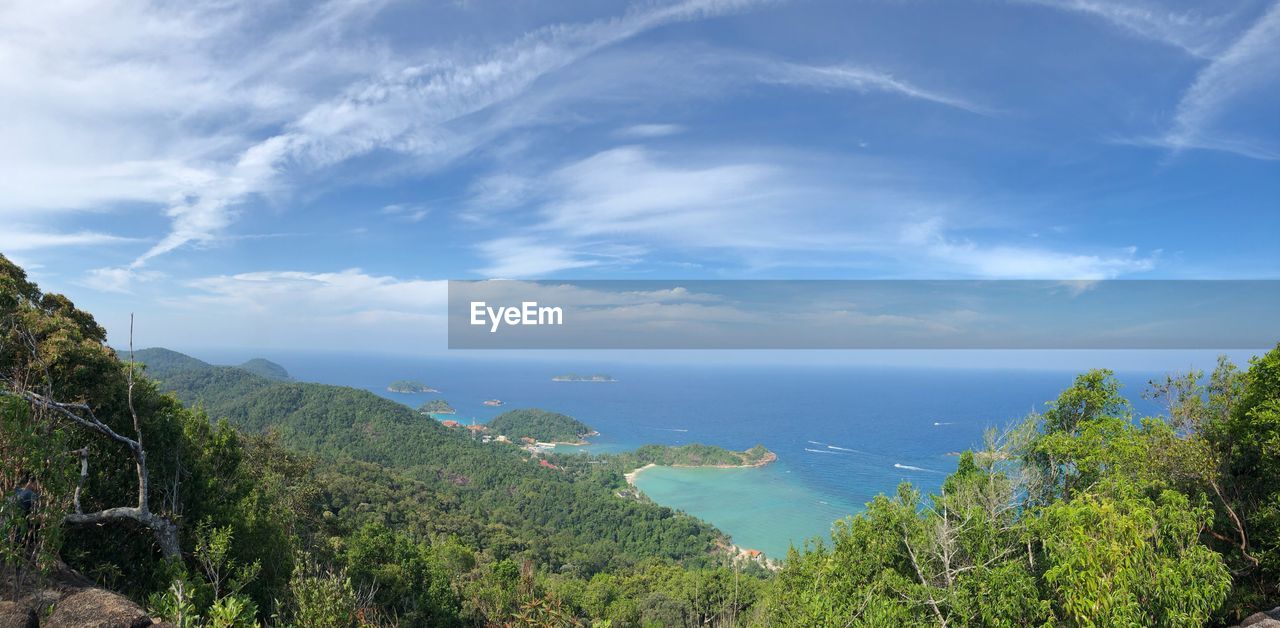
(17, 238)
(176, 105)
(646, 131)
(406, 111)
(659, 204)
(1191, 30)
(860, 79)
(965, 257)
(1249, 65)
(527, 257)
(1243, 61)
(406, 212)
(343, 293)
(118, 280)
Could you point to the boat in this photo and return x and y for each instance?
(493, 402)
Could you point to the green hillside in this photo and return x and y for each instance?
(265, 368)
(539, 425)
(242, 501)
(563, 518)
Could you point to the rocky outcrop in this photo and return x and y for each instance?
(1265, 619)
(65, 600)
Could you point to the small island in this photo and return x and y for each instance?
(437, 406)
(408, 386)
(583, 378)
(541, 426)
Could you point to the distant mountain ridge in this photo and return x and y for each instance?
(159, 359)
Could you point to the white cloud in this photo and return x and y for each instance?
(1190, 29)
(1247, 68)
(498, 192)
(17, 238)
(348, 309)
(1243, 61)
(857, 214)
(118, 280)
(963, 257)
(406, 212)
(526, 257)
(860, 79)
(131, 101)
(645, 131)
(320, 294)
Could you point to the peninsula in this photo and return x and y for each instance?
(649, 456)
(541, 426)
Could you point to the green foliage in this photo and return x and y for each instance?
(328, 506)
(386, 465)
(233, 611)
(409, 579)
(1129, 560)
(1075, 519)
(36, 482)
(539, 425)
(436, 406)
(409, 386)
(693, 455)
(175, 605)
(265, 368)
(322, 598)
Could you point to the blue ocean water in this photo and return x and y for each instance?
(842, 434)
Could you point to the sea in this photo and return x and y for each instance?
(843, 434)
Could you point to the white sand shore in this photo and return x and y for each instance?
(631, 477)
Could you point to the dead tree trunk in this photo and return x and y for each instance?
(166, 533)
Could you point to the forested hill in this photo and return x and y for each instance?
(540, 425)
(565, 516)
(265, 368)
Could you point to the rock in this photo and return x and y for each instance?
(1265, 619)
(15, 616)
(97, 608)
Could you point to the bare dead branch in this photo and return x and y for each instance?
(166, 533)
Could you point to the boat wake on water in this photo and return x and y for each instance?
(821, 451)
(908, 467)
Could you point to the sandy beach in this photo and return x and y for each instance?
(631, 476)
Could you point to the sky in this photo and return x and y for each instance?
(306, 175)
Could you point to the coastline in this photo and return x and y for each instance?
(631, 475)
(771, 457)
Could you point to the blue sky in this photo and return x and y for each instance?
(298, 174)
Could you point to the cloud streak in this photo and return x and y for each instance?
(860, 79)
(1191, 31)
(650, 202)
(1251, 63)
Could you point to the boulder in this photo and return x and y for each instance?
(16, 616)
(96, 608)
(1265, 619)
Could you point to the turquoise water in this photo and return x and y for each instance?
(842, 434)
(762, 508)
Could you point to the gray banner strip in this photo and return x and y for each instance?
(774, 314)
